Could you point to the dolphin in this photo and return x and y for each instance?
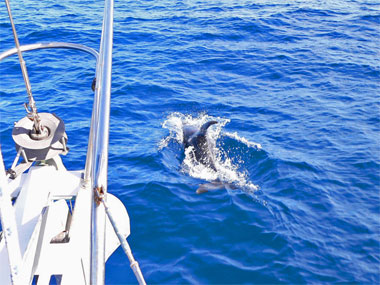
(197, 139)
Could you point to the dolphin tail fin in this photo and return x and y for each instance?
(215, 185)
(205, 126)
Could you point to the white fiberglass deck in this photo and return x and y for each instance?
(43, 211)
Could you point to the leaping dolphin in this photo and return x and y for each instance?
(197, 138)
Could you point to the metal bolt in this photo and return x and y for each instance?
(8, 231)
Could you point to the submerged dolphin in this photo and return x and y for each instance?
(197, 138)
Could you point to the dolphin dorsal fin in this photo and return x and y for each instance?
(205, 126)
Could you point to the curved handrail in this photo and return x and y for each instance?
(30, 47)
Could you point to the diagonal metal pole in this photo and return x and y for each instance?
(124, 244)
(32, 103)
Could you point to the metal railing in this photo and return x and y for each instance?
(97, 156)
(50, 46)
(95, 176)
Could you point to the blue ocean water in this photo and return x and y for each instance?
(294, 86)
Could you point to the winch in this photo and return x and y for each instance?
(32, 146)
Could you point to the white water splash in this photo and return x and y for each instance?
(243, 140)
(196, 169)
(227, 171)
